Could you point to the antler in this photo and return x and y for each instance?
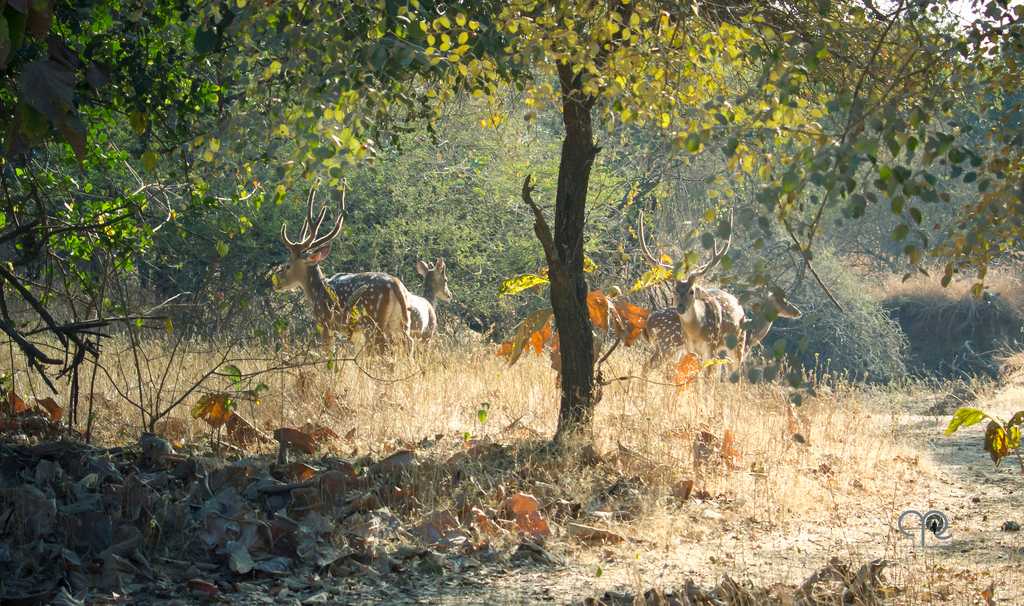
(719, 253)
(309, 239)
(647, 252)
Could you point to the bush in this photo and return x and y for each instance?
(861, 341)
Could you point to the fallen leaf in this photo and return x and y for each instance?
(52, 408)
(300, 472)
(16, 404)
(319, 434)
(526, 509)
(296, 439)
(395, 462)
(586, 533)
(484, 523)
(203, 586)
(239, 559)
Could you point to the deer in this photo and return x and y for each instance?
(379, 301)
(665, 331)
(422, 309)
(707, 320)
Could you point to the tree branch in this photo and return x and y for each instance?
(540, 226)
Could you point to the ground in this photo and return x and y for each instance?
(689, 484)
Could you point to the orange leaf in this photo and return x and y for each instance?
(505, 349)
(730, 452)
(52, 408)
(540, 337)
(687, 370)
(597, 304)
(214, 408)
(17, 405)
(633, 321)
(526, 509)
(294, 437)
(300, 472)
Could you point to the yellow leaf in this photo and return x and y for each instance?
(463, 37)
(460, 19)
(651, 277)
(518, 284)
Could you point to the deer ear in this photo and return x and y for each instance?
(316, 256)
(421, 268)
(440, 263)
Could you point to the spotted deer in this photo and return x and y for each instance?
(665, 331)
(422, 309)
(710, 320)
(378, 301)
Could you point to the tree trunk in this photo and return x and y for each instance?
(568, 285)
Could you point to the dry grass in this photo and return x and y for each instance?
(651, 429)
(779, 510)
(953, 333)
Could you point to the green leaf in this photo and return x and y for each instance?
(790, 181)
(205, 41)
(900, 232)
(965, 416)
(482, 412)
(693, 143)
(232, 372)
(149, 160)
(222, 248)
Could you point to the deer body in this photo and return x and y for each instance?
(381, 299)
(422, 309)
(384, 300)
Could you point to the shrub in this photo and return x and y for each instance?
(861, 341)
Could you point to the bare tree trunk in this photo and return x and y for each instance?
(568, 285)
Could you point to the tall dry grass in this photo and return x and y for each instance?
(460, 392)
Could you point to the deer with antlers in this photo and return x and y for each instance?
(379, 301)
(709, 320)
(423, 312)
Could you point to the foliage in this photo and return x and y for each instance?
(1002, 438)
(861, 341)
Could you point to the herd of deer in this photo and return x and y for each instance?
(377, 309)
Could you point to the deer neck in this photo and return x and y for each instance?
(319, 294)
(428, 292)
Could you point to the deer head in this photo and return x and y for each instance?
(688, 291)
(435, 279)
(783, 308)
(306, 253)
